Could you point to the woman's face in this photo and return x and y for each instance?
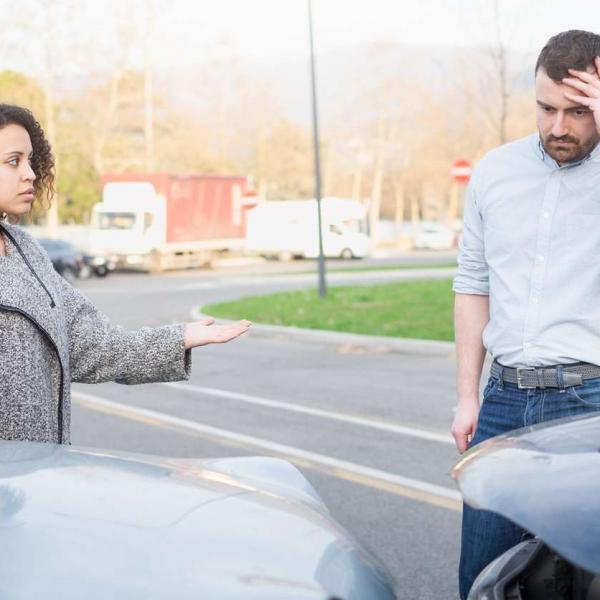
(16, 174)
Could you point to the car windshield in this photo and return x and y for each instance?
(115, 220)
(57, 245)
(47, 244)
(546, 479)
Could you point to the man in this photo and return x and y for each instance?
(528, 284)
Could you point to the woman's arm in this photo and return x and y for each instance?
(100, 351)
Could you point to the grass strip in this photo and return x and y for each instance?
(415, 309)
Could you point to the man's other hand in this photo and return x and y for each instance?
(589, 86)
(465, 423)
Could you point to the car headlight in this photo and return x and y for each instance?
(504, 570)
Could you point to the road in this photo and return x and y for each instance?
(369, 429)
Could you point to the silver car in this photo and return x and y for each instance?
(78, 523)
(545, 478)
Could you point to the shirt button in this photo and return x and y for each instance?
(546, 214)
(541, 259)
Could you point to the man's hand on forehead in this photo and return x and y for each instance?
(588, 83)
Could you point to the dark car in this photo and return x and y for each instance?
(66, 259)
(546, 479)
(98, 524)
(98, 265)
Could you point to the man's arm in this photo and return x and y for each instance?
(471, 315)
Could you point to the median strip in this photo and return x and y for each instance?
(406, 487)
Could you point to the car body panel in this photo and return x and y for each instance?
(85, 523)
(545, 478)
(66, 259)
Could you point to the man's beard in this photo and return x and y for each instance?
(570, 150)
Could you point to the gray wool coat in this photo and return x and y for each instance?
(51, 335)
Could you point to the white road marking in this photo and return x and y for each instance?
(422, 491)
(142, 291)
(423, 434)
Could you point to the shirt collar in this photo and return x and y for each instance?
(546, 158)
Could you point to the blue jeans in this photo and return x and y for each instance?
(486, 535)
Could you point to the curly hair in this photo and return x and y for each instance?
(573, 49)
(42, 161)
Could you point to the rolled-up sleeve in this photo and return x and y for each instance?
(473, 275)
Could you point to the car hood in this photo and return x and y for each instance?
(77, 522)
(545, 478)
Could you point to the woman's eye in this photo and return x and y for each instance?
(14, 162)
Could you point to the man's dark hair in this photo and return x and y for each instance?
(573, 49)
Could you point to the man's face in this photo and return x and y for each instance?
(567, 130)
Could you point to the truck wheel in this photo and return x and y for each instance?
(285, 256)
(347, 254)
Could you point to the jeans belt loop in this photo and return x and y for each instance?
(560, 378)
(500, 378)
(539, 373)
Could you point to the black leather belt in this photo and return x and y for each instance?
(557, 376)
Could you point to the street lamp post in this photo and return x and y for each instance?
(322, 282)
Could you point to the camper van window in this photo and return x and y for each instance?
(115, 220)
(148, 221)
(335, 229)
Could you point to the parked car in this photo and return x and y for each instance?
(546, 479)
(97, 524)
(431, 235)
(66, 259)
(98, 265)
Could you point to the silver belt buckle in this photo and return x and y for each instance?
(520, 384)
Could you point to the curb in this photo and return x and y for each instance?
(346, 342)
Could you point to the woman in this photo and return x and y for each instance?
(50, 334)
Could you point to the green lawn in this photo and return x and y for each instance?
(417, 309)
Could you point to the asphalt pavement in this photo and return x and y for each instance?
(369, 427)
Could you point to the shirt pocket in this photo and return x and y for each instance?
(583, 238)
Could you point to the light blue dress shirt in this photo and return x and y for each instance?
(531, 241)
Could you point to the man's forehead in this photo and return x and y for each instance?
(552, 93)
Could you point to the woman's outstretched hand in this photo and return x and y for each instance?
(205, 332)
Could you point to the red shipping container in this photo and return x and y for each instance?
(198, 207)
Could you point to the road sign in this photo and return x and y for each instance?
(461, 170)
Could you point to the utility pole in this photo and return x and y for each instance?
(149, 22)
(322, 282)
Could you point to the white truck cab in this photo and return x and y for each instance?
(129, 223)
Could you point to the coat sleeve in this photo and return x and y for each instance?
(100, 351)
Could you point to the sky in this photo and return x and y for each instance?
(187, 32)
(279, 27)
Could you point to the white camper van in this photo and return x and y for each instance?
(289, 229)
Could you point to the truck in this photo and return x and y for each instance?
(161, 221)
(289, 229)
